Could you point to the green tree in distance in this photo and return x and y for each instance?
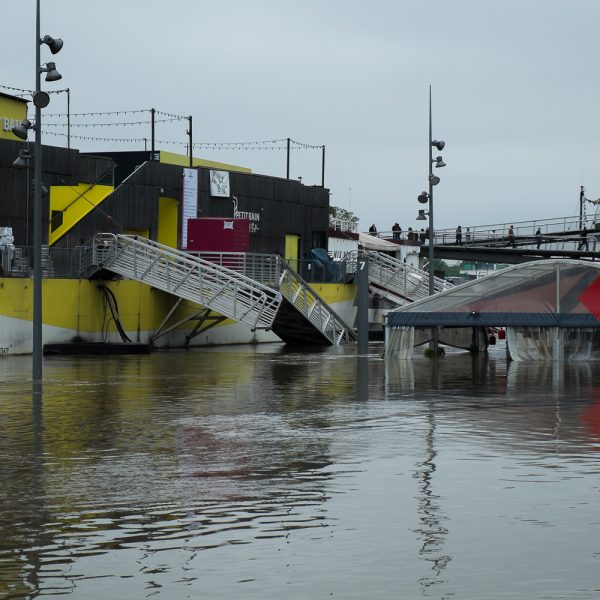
(335, 212)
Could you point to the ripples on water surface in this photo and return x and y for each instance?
(260, 472)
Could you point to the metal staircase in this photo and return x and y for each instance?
(215, 287)
(321, 324)
(304, 317)
(395, 280)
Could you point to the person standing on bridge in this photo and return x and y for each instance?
(511, 237)
(459, 236)
(538, 237)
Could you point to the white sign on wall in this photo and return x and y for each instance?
(253, 217)
(190, 202)
(219, 184)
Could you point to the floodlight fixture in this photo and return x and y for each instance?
(22, 161)
(51, 73)
(22, 128)
(55, 44)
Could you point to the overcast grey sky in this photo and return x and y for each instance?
(515, 92)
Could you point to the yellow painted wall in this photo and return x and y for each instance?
(335, 292)
(168, 218)
(12, 112)
(291, 250)
(75, 202)
(145, 233)
(79, 304)
(181, 159)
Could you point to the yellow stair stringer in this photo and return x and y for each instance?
(69, 204)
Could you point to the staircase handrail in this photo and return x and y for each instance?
(313, 307)
(439, 284)
(230, 293)
(390, 270)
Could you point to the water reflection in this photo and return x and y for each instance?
(362, 378)
(431, 531)
(295, 472)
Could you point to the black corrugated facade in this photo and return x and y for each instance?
(282, 206)
(60, 166)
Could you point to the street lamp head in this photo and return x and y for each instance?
(51, 73)
(423, 198)
(439, 162)
(22, 161)
(22, 128)
(435, 180)
(422, 216)
(55, 44)
(43, 189)
(438, 144)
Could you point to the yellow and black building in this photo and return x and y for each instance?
(141, 192)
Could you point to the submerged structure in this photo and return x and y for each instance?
(550, 310)
(161, 249)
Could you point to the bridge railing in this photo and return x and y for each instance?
(561, 230)
(554, 227)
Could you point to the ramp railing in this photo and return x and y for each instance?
(400, 282)
(223, 290)
(272, 270)
(308, 303)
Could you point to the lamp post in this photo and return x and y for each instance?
(427, 197)
(40, 100)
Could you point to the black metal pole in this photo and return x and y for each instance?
(431, 232)
(28, 204)
(191, 145)
(68, 118)
(323, 168)
(153, 115)
(37, 216)
(581, 197)
(433, 344)
(287, 172)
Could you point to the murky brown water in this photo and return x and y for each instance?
(259, 472)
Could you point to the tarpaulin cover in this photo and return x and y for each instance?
(371, 242)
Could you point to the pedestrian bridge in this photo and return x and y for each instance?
(561, 237)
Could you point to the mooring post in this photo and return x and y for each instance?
(362, 303)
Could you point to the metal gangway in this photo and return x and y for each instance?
(313, 308)
(255, 289)
(319, 323)
(395, 280)
(189, 277)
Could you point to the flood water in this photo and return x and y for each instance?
(262, 472)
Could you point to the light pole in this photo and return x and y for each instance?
(427, 197)
(40, 100)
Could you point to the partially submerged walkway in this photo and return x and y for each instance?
(223, 289)
(558, 295)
